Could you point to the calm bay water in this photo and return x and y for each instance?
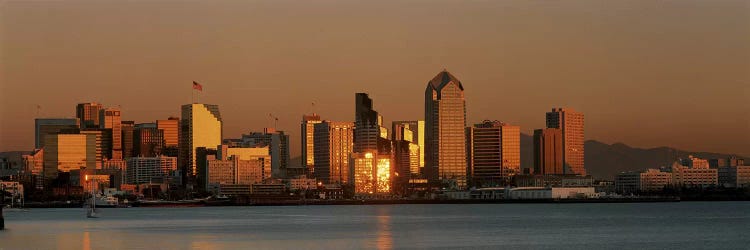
(684, 225)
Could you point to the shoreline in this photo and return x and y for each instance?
(274, 202)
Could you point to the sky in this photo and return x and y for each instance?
(644, 73)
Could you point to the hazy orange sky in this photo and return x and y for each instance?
(645, 73)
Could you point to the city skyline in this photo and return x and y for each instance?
(617, 86)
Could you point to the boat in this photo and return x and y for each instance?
(91, 212)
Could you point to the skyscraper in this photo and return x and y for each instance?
(334, 142)
(109, 118)
(371, 173)
(369, 133)
(127, 128)
(445, 122)
(548, 151)
(148, 140)
(307, 142)
(50, 126)
(571, 124)
(408, 142)
(66, 152)
(494, 152)
(101, 141)
(201, 126)
(88, 114)
(171, 130)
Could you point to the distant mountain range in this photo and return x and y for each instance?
(604, 161)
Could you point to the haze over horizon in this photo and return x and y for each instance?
(644, 73)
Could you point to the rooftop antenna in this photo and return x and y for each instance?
(274, 119)
(38, 109)
(312, 108)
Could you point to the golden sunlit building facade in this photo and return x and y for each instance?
(571, 124)
(171, 128)
(110, 118)
(371, 173)
(334, 142)
(66, 152)
(308, 144)
(445, 123)
(201, 126)
(494, 152)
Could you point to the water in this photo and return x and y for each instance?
(684, 225)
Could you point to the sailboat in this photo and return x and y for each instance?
(91, 208)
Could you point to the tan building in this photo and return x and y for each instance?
(548, 152)
(371, 173)
(201, 126)
(494, 152)
(699, 175)
(571, 124)
(334, 141)
(238, 166)
(110, 118)
(65, 152)
(445, 123)
(308, 144)
(654, 180)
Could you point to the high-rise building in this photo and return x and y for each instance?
(65, 152)
(127, 128)
(278, 144)
(548, 151)
(408, 152)
(416, 129)
(308, 146)
(334, 142)
(148, 140)
(369, 133)
(88, 114)
(201, 126)
(371, 173)
(109, 118)
(571, 124)
(171, 128)
(445, 122)
(102, 139)
(48, 126)
(494, 152)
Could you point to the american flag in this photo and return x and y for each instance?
(197, 86)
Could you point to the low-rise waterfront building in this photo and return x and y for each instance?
(643, 181)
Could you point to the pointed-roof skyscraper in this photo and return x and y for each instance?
(445, 121)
